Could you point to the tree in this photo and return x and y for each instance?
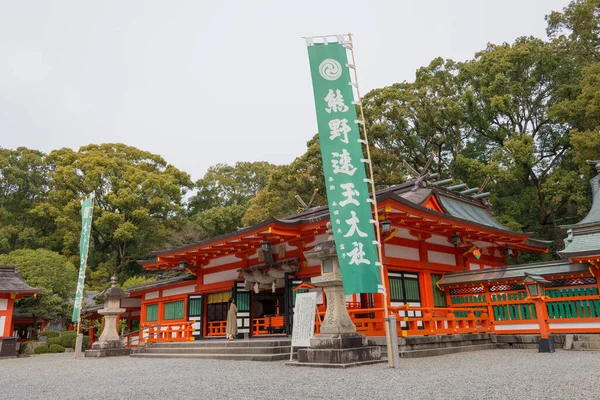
(24, 176)
(300, 178)
(138, 200)
(408, 121)
(50, 271)
(509, 92)
(224, 185)
(577, 28)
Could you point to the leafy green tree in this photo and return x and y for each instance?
(577, 28)
(408, 121)
(509, 90)
(300, 178)
(24, 176)
(138, 200)
(50, 271)
(225, 185)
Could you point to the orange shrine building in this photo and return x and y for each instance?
(445, 267)
(12, 288)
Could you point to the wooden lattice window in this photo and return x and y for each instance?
(152, 312)
(439, 297)
(174, 310)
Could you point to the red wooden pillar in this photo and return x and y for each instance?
(425, 276)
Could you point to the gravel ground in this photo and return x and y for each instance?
(492, 374)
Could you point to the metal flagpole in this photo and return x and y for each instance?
(390, 350)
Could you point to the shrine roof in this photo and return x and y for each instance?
(513, 272)
(454, 208)
(160, 283)
(11, 281)
(584, 237)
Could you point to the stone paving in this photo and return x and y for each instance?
(491, 374)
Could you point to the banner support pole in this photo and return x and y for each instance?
(390, 350)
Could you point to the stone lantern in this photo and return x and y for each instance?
(109, 344)
(337, 344)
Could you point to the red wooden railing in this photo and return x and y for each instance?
(418, 321)
(216, 328)
(163, 332)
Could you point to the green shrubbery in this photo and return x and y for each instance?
(53, 340)
(42, 349)
(49, 334)
(56, 348)
(23, 346)
(67, 339)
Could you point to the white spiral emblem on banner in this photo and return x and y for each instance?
(330, 69)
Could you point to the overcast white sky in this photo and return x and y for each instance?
(202, 82)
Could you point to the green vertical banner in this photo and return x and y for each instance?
(345, 179)
(87, 207)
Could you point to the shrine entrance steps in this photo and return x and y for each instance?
(429, 346)
(220, 349)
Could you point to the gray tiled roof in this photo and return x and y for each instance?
(586, 244)
(469, 212)
(585, 240)
(11, 281)
(594, 214)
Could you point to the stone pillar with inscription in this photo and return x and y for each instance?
(109, 344)
(337, 344)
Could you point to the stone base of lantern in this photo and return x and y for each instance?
(342, 350)
(108, 348)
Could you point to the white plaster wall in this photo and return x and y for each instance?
(151, 295)
(441, 240)
(318, 239)
(408, 253)
(222, 261)
(2, 322)
(131, 302)
(574, 325)
(441, 258)
(487, 266)
(179, 290)
(220, 276)
(403, 233)
(516, 327)
(3, 305)
(473, 266)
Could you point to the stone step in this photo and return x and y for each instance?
(217, 350)
(446, 350)
(223, 343)
(234, 357)
(426, 346)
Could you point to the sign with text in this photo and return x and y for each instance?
(345, 178)
(87, 207)
(304, 319)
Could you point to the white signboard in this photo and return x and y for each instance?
(304, 319)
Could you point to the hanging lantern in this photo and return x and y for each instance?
(256, 289)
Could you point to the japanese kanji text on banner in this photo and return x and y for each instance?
(345, 178)
(84, 241)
